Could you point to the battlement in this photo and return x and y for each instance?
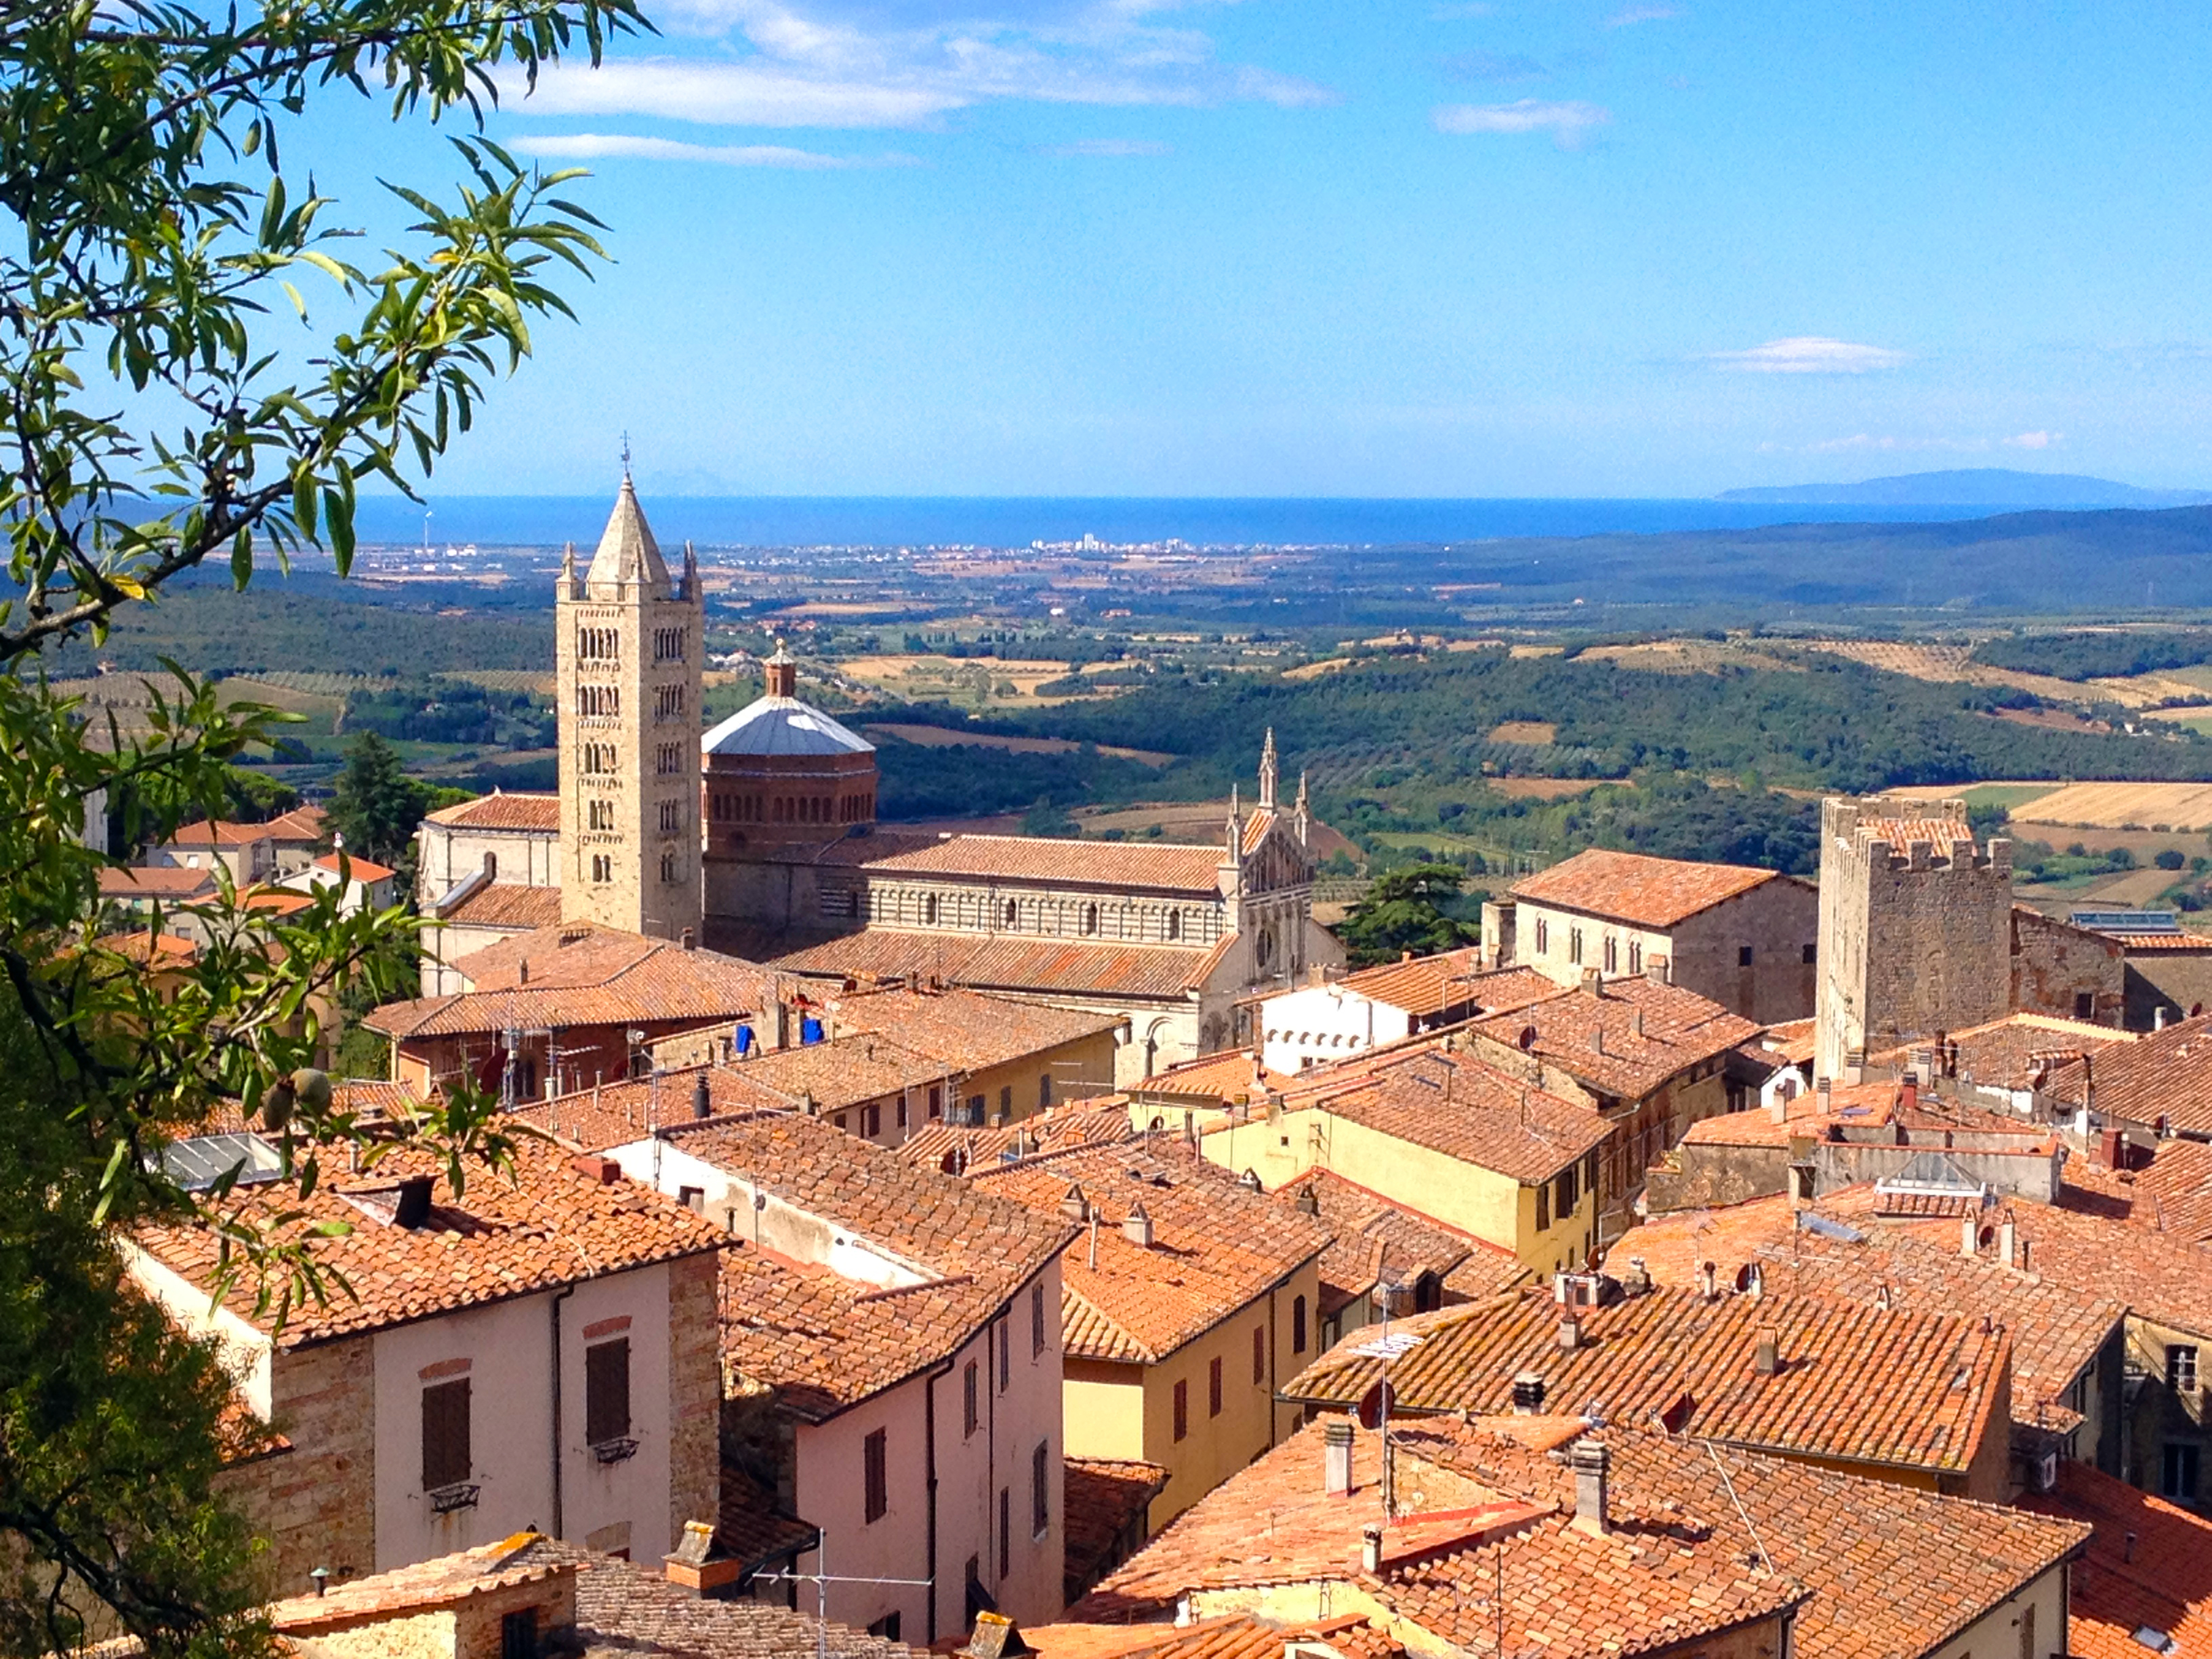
(1896, 833)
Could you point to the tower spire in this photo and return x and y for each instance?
(1268, 769)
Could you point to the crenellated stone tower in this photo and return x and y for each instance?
(629, 644)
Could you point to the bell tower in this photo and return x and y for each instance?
(629, 644)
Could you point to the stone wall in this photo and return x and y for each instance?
(2178, 983)
(2059, 969)
(695, 1391)
(316, 1504)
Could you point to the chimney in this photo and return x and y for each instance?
(593, 1167)
(1571, 1334)
(1370, 1548)
(995, 1637)
(1778, 1109)
(1073, 1205)
(2009, 1241)
(1336, 1460)
(1593, 981)
(1755, 1280)
(1593, 1465)
(1969, 1233)
(1637, 1281)
(1597, 1039)
(1766, 1358)
(690, 940)
(1137, 1227)
(522, 971)
(702, 1099)
(1309, 1201)
(1827, 1088)
(1658, 970)
(413, 1208)
(2158, 1018)
(1528, 1393)
(1636, 1022)
(692, 1564)
(2128, 1550)
(1709, 1280)
(1908, 1096)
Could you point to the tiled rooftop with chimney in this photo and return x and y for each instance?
(1225, 1077)
(1428, 986)
(955, 1148)
(415, 1249)
(615, 1114)
(1037, 967)
(1695, 1540)
(1801, 1375)
(580, 975)
(1625, 1038)
(1230, 1636)
(964, 1029)
(2019, 1052)
(2057, 1330)
(2163, 1076)
(1372, 1238)
(1203, 1246)
(2147, 1577)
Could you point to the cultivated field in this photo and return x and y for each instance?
(1535, 733)
(2115, 806)
(987, 681)
(941, 737)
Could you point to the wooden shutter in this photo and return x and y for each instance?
(446, 1460)
(876, 1478)
(606, 1391)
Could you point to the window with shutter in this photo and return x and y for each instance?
(1040, 1489)
(1259, 1353)
(1543, 1208)
(1005, 1530)
(606, 1391)
(970, 1411)
(1297, 1324)
(1181, 1410)
(446, 1434)
(876, 1478)
(1213, 1388)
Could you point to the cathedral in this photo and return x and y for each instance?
(759, 838)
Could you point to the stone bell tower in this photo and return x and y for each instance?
(629, 644)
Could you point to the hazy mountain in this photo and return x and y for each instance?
(1981, 486)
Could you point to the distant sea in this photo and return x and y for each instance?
(1016, 521)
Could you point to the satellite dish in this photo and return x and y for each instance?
(1373, 1404)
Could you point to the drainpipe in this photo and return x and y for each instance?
(929, 1442)
(559, 1297)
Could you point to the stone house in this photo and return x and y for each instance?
(1339, 1018)
(1744, 937)
(533, 1350)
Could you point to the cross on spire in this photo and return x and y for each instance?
(625, 455)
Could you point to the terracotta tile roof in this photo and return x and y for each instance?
(305, 823)
(953, 1148)
(548, 1224)
(355, 868)
(540, 814)
(1105, 1497)
(1008, 962)
(1857, 1382)
(616, 1113)
(2160, 1276)
(1217, 1245)
(1221, 1077)
(751, 1529)
(1454, 1104)
(580, 975)
(968, 1029)
(1156, 867)
(2165, 1074)
(2172, 1194)
(441, 1581)
(2012, 1053)
(165, 881)
(1230, 1636)
(629, 1610)
(2148, 1566)
(146, 946)
(508, 904)
(1678, 1029)
(1876, 1571)
(277, 900)
(821, 1343)
(939, 1225)
(841, 1073)
(2056, 1330)
(219, 832)
(2137, 944)
(1372, 1236)
(1426, 986)
(1634, 887)
(1901, 832)
(1565, 1591)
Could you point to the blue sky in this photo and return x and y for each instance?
(1430, 248)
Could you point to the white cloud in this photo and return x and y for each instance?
(1109, 147)
(1809, 354)
(579, 146)
(1861, 440)
(846, 64)
(1567, 121)
(2035, 440)
(1621, 20)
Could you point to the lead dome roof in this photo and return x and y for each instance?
(782, 726)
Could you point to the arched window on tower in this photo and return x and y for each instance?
(1089, 918)
(1174, 924)
(929, 909)
(1011, 916)
(491, 866)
